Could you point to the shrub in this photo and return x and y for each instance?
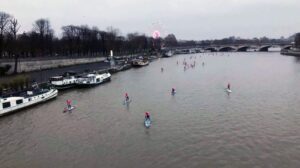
(16, 83)
(4, 69)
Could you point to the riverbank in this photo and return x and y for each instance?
(29, 65)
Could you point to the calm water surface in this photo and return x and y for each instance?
(257, 125)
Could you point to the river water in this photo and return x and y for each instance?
(257, 125)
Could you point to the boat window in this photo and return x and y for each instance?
(6, 105)
(19, 101)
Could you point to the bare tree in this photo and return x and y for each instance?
(42, 27)
(4, 20)
(111, 35)
(136, 42)
(13, 29)
(170, 40)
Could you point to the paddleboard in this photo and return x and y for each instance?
(228, 90)
(68, 109)
(147, 123)
(127, 102)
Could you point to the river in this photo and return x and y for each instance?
(257, 125)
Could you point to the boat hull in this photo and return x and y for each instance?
(140, 65)
(34, 100)
(87, 85)
(63, 87)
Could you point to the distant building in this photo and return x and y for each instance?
(297, 40)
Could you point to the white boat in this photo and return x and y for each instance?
(274, 49)
(65, 81)
(192, 51)
(139, 63)
(170, 53)
(26, 99)
(92, 79)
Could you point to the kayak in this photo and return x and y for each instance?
(66, 109)
(147, 123)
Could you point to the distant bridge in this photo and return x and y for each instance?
(230, 48)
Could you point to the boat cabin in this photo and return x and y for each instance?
(10, 102)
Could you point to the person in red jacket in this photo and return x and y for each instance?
(69, 104)
(147, 115)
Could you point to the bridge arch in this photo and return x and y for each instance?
(243, 48)
(287, 47)
(212, 49)
(264, 48)
(226, 49)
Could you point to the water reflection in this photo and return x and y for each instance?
(297, 59)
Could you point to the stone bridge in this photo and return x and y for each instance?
(231, 48)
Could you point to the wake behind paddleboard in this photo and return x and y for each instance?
(68, 109)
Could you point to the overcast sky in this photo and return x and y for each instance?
(187, 19)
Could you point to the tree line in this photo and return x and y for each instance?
(82, 40)
(76, 40)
